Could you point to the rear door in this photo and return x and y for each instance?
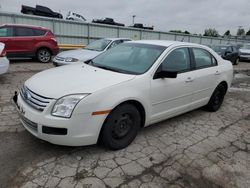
(6, 37)
(24, 41)
(205, 72)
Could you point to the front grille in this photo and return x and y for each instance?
(247, 54)
(29, 123)
(34, 100)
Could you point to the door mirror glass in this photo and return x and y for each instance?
(166, 74)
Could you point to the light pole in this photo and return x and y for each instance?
(133, 19)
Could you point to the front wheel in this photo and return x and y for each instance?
(121, 127)
(236, 62)
(216, 99)
(43, 55)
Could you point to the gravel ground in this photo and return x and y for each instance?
(197, 149)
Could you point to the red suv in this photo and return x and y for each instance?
(28, 41)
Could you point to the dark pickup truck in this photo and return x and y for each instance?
(109, 21)
(140, 26)
(40, 11)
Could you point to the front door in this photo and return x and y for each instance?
(172, 96)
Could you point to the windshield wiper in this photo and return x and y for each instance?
(106, 68)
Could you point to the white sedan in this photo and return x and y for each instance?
(89, 52)
(111, 97)
(4, 62)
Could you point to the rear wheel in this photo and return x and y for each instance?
(121, 127)
(43, 55)
(216, 98)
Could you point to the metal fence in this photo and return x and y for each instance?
(71, 32)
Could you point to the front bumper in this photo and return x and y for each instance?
(79, 130)
(245, 56)
(4, 65)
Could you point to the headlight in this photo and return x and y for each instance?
(71, 59)
(65, 105)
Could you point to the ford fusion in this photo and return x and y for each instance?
(110, 98)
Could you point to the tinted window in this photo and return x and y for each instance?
(22, 31)
(203, 58)
(39, 32)
(6, 32)
(178, 60)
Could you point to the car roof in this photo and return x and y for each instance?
(25, 25)
(117, 39)
(167, 43)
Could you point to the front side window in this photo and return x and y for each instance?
(22, 32)
(6, 32)
(203, 58)
(177, 61)
(98, 45)
(129, 58)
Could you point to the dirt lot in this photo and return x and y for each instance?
(197, 149)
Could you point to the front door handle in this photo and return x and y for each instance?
(189, 79)
(217, 73)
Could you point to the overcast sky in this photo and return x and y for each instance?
(191, 15)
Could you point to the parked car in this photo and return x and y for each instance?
(28, 41)
(111, 97)
(75, 16)
(109, 21)
(89, 52)
(228, 52)
(40, 11)
(244, 52)
(140, 26)
(4, 62)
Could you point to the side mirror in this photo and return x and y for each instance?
(165, 74)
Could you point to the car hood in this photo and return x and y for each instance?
(72, 79)
(244, 51)
(81, 54)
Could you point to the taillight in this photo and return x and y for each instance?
(3, 54)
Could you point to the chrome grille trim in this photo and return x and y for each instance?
(34, 100)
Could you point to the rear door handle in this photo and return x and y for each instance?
(189, 79)
(217, 73)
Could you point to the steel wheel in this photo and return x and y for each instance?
(44, 55)
(217, 98)
(121, 127)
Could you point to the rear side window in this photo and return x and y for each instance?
(6, 32)
(178, 60)
(22, 31)
(203, 58)
(38, 32)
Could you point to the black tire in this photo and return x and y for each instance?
(216, 99)
(43, 55)
(120, 127)
(237, 60)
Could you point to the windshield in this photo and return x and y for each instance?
(246, 46)
(129, 58)
(98, 45)
(219, 48)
